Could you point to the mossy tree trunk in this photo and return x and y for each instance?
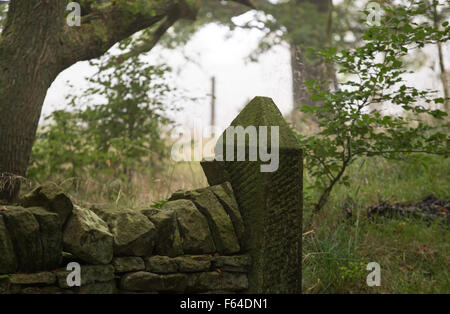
(37, 44)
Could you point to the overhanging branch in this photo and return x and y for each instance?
(102, 28)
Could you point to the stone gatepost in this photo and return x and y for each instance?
(269, 196)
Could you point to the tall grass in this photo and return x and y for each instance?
(142, 190)
(340, 241)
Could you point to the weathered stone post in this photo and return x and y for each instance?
(270, 202)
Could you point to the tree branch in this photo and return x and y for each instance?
(102, 28)
(155, 37)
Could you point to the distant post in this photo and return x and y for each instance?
(270, 202)
(213, 103)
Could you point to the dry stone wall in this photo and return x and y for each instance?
(190, 245)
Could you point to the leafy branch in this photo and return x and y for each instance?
(350, 124)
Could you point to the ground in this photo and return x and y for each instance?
(414, 257)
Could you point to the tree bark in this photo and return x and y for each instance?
(445, 85)
(299, 77)
(28, 66)
(36, 45)
(444, 79)
(305, 68)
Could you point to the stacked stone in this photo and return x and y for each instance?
(192, 244)
(190, 274)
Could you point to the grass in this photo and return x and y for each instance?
(144, 189)
(414, 258)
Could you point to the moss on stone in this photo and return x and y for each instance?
(270, 204)
(51, 197)
(134, 234)
(262, 111)
(194, 230)
(87, 237)
(8, 261)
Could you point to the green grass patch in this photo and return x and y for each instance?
(340, 241)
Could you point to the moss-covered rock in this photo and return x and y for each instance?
(50, 232)
(190, 264)
(183, 264)
(194, 230)
(224, 193)
(219, 222)
(149, 282)
(168, 234)
(134, 234)
(36, 236)
(233, 263)
(128, 264)
(52, 198)
(8, 261)
(5, 284)
(216, 281)
(87, 237)
(108, 287)
(161, 265)
(23, 229)
(34, 278)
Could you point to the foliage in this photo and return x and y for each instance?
(349, 125)
(60, 147)
(305, 23)
(114, 128)
(352, 271)
(3, 10)
(430, 10)
(292, 22)
(159, 204)
(414, 257)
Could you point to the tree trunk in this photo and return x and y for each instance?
(306, 67)
(299, 77)
(27, 65)
(36, 45)
(444, 79)
(437, 20)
